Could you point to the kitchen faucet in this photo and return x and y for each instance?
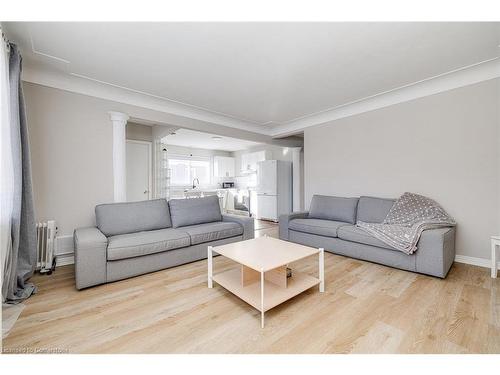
(198, 181)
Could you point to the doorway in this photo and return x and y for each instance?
(139, 170)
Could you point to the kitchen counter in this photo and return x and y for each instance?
(227, 197)
(182, 193)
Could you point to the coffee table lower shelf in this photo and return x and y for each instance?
(274, 294)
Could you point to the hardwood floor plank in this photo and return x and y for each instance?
(469, 324)
(380, 338)
(429, 327)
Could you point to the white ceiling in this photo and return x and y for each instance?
(260, 73)
(195, 139)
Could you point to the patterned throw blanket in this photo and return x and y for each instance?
(410, 215)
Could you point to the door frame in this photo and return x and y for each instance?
(150, 163)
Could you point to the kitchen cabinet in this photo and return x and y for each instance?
(249, 161)
(223, 166)
(246, 163)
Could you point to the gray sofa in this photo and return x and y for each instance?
(330, 224)
(134, 238)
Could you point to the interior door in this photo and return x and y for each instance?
(138, 170)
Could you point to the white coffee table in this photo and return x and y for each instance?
(261, 280)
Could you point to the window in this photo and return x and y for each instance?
(184, 169)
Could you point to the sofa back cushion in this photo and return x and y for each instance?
(130, 217)
(333, 208)
(373, 210)
(194, 211)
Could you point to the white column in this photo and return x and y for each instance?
(119, 121)
(296, 177)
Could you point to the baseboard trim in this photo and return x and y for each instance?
(65, 250)
(65, 259)
(481, 262)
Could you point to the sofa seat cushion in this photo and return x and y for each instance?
(208, 232)
(327, 228)
(143, 243)
(355, 234)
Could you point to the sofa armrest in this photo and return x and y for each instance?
(285, 219)
(90, 257)
(245, 221)
(435, 251)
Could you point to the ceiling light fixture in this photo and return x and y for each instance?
(216, 138)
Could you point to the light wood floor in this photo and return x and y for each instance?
(367, 308)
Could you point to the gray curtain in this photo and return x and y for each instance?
(22, 260)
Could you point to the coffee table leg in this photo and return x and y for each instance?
(321, 270)
(262, 298)
(210, 269)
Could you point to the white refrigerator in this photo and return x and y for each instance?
(274, 190)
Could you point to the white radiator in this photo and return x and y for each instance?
(46, 242)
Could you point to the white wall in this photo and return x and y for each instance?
(445, 146)
(71, 153)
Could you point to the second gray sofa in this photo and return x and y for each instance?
(331, 224)
(134, 238)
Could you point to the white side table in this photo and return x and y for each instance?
(495, 241)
